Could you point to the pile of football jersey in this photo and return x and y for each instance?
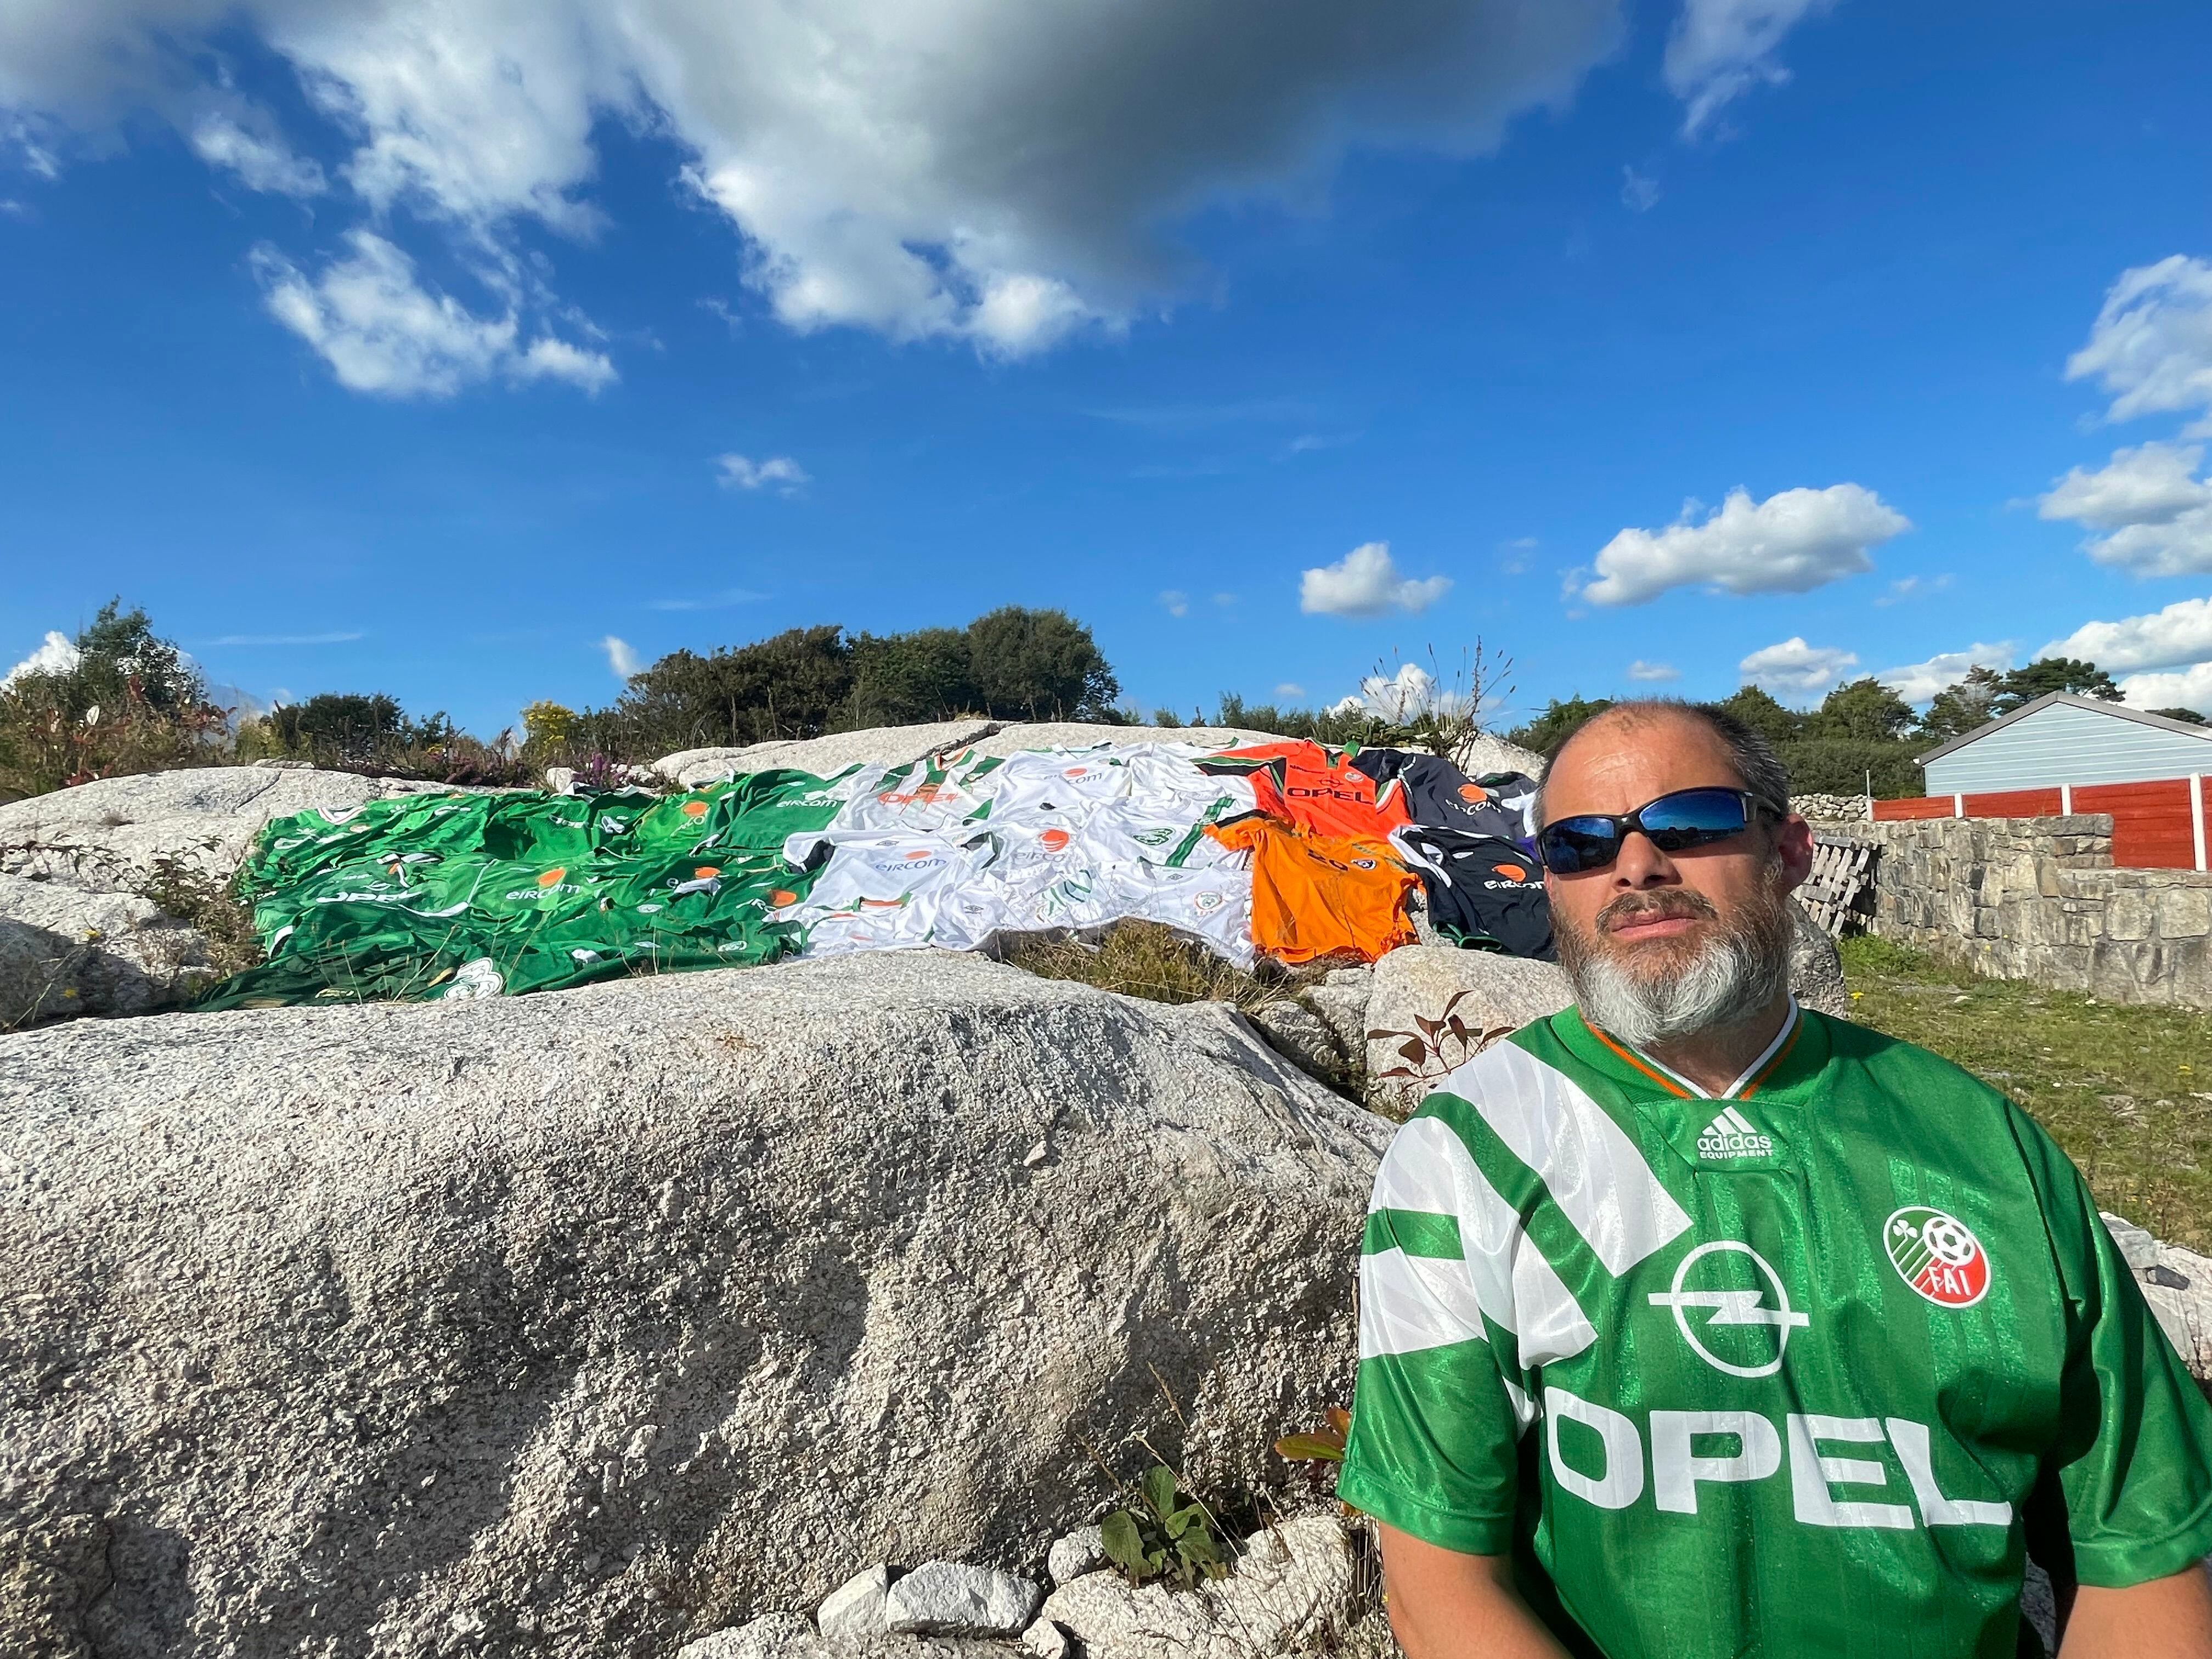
(956, 849)
(1289, 850)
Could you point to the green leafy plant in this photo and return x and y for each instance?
(1167, 1534)
(1322, 1445)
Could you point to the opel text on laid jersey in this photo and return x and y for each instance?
(1481, 890)
(1321, 896)
(1801, 1370)
(1316, 788)
(1437, 793)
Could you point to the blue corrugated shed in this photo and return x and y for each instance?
(2061, 738)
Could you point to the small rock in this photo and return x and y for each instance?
(1036, 1155)
(856, 1608)
(1341, 1001)
(1082, 1551)
(1048, 1640)
(950, 1598)
(1816, 970)
(2135, 1242)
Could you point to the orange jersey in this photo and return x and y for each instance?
(1314, 788)
(1320, 895)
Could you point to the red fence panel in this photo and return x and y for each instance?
(2151, 829)
(2017, 804)
(1922, 806)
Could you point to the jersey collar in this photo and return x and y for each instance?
(1776, 1065)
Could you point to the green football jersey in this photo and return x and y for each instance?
(1805, 1368)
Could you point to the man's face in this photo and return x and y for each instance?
(1651, 917)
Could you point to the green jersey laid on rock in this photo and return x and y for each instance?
(1805, 1368)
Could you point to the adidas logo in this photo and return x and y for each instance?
(1732, 1135)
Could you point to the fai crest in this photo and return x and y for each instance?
(1938, 1256)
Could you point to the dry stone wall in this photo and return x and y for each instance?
(2039, 899)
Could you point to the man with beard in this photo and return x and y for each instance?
(1695, 1324)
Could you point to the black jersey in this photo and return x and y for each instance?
(1437, 793)
(1483, 890)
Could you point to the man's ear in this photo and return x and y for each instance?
(1793, 850)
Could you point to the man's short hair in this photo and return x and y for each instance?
(1748, 751)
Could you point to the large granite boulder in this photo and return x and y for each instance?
(64, 951)
(887, 746)
(107, 836)
(1816, 968)
(1018, 735)
(1434, 1006)
(592, 1322)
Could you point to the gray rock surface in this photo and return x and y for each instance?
(1302, 1038)
(891, 745)
(1292, 1589)
(856, 1608)
(1421, 982)
(1816, 971)
(106, 837)
(590, 1322)
(1081, 1550)
(789, 1636)
(1018, 735)
(1341, 1001)
(64, 952)
(957, 1598)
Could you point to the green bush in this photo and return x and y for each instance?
(131, 703)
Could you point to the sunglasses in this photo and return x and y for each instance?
(1674, 823)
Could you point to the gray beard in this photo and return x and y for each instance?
(1732, 979)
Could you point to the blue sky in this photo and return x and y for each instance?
(401, 348)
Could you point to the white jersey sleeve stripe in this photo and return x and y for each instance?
(1586, 1161)
(1429, 1168)
(1409, 1303)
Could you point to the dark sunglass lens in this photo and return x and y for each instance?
(1573, 845)
(1693, 817)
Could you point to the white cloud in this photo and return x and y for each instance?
(785, 475)
(1289, 689)
(622, 657)
(2191, 688)
(1790, 543)
(1720, 49)
(1918, 681)
(2157, 515)
(1913, 587)
(1653, 672)
(260, 159)
(2182, 633)
(1639, 192)
(382, 331)
(1795, 669)
(1410, 693)
(995, 171)
(1365, 582)
(1175, 602)
(2151, 345)
(56, 654)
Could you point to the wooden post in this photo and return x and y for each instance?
(2196, 813)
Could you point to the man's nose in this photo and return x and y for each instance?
(1642, 864)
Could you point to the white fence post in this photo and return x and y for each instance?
(2196, 813)
(1958, 806)
(2066, 800)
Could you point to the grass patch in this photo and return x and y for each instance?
(212, 905)
(2127, 1091)
(1142, 959)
